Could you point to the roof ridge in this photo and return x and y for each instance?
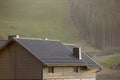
(37, 39)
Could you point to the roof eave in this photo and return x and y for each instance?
(57, 64)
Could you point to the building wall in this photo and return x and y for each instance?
(67, 73)
(17, 63)
(28, 67)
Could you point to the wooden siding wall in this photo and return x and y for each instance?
(6, 64)
(18, 63)
(61, 73)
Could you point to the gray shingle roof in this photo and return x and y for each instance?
(53, 52)
(50, 52)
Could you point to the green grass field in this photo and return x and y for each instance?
(112, 76)
(37, 18)
(109, 61)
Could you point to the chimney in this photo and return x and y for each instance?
(10, 37)
(77, 52)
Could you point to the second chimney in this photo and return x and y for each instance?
(77, 52)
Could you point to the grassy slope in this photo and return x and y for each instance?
(108, 61)
(37, 18)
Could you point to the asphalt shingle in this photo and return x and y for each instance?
(49, 51)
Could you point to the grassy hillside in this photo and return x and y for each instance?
(109, 61)
(37, 18)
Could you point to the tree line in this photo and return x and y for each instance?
(98, 21)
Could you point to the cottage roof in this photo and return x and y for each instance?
(52, 52)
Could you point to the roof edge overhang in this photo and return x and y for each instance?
(66, 65)
(73, 65)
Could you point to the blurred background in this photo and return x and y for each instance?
(94, 25)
